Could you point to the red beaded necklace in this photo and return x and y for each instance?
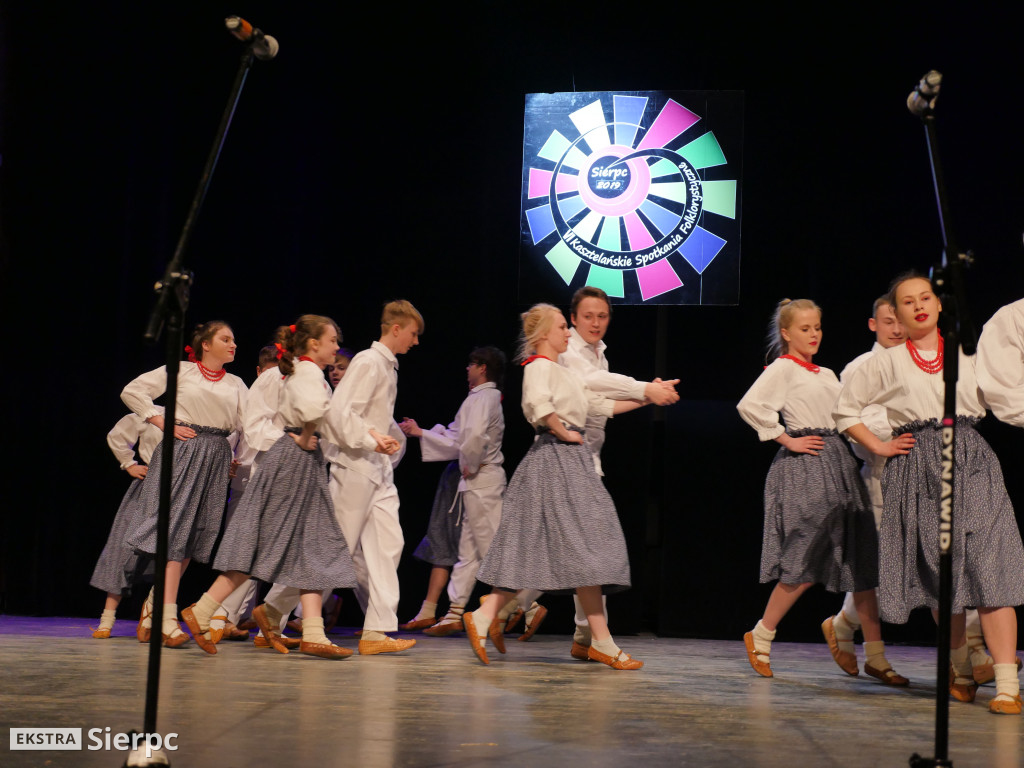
(803, 364)
(306, 357)
(928, 366)
(208, 374)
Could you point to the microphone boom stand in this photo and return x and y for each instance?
(171, 306)
(957, 330)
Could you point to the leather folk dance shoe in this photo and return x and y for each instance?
(622, 660)
(388, 645)
(259, 641)
(1005, 707)
(534, 618)
(324, 650)
(762, 668)
(846, 660)
(188, 614)
(887, 676)
(447, 626)
(497, 634)
(415, 624)
(259, 615)
(475, 639)
(964, 692)
(580, 651)
(142, 631)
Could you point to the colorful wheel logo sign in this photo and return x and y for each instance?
(617, 198)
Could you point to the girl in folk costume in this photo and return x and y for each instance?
(988, 559)
(209, 408)
(284, 529)
(818, 523)
(559, 531)
(118, 562)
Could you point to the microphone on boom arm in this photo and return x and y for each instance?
(921, 101)
(264, 46)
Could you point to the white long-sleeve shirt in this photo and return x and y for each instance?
(1001, 363)
(305, 395)
(588, 361)
(132, 430)
(801, 397)
(551, 388)
(218, 404)
(364, 400)
(873, 416)
(474, 438)
(891, 378)
(262, 421)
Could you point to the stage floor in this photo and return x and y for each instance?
(695, 703)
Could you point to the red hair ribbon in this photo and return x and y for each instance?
(190, 352)
(531, 358)
(280, 350)
(291, 328)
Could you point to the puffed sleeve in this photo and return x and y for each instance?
(538, 399)
(599, 404)
(343, 422)
(261, 432)
(761, 405)
(122, 439)
(308, 395)
(140, 392)
(873, 382)
(1000, 365)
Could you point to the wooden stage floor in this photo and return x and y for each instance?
(695, 703)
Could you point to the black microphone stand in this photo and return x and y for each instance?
(171, 306)
(957, 331)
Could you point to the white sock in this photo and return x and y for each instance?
(1007, 682)
(427, 611)
(606, 646)
(763, 641)
(844, 632)
(874, 650)
(508, 609)
(480, 621)
(204, 609)
(171, 627)
(313, 630)
(582, 635)
(454, 615)
(368, 634)
(147, 611)
(962, 665)
(107, 620)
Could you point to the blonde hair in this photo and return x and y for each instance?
(783, 318)
(400, 312)
(537, 322)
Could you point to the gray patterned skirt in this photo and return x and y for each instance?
(559, 529)
(440, 547)
(988, 559)
(818, 523)
(116, 567)
(284, 529)
(199, 493)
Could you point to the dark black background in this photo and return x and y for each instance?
(380, 156)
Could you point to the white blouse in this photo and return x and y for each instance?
(891, 378)
(803, 399)
(262, 422)
(551, 388)
(305, 396)
(217, 404)
(1001, 363)
(130, 431)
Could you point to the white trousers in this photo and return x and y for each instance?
(481, 514)
(367, 513)
(239, 604)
